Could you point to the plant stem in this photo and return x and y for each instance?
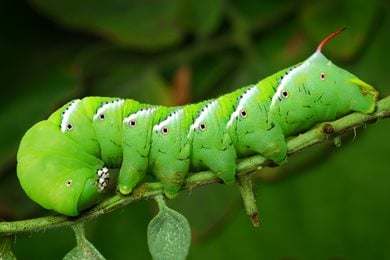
(79, 233)
(248, 198)
(160, 201)
(319, 134)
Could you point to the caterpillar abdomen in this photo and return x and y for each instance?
(63, 161)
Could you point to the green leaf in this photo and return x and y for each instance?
(84, 249)
(5, 248)
(138, 24)
(169, 234)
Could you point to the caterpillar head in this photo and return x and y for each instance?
(317, 90)
(56, 173)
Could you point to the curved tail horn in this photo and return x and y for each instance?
(324, 41)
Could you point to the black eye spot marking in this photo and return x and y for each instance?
(202, 127)
(69, 127)
(102, 116)
(132, 123)
(322, 76)
(164, 130)
(284, 93)
(69, 183)
(243, 113)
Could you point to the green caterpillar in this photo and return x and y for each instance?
(63, 161)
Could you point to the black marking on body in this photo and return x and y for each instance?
(204, 147)
(319, 98)
(114, 143)
(286, 117)
(271, 127)
(184, 159)
(306, 89)
(284, 75)
(279, 111)
(67, 107)
(160, 151)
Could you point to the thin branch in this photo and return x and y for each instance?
(319, 134)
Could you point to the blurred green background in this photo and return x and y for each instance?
(326, 203)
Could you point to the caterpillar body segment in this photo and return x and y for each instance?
(63, 161)
(55, 171)
(136, 142)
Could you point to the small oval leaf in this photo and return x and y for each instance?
(84, 248)
(169, 235)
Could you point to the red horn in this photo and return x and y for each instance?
(324, 41)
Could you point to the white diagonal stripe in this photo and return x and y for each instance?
(67, 113)
(173, 117)
(107, 106)
(251, 92)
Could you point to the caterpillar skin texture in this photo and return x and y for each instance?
(63, 161)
